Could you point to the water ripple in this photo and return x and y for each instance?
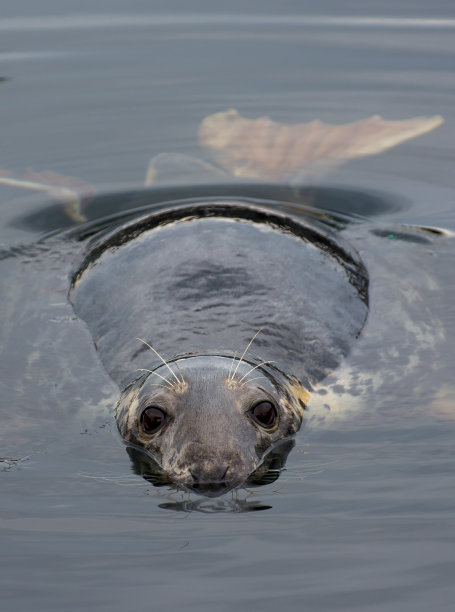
(122, 20)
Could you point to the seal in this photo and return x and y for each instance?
(215, 319)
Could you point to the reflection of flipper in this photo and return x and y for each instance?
(262, 149)
(66, 190)
(176, 168)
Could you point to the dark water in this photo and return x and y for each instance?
(363, 518)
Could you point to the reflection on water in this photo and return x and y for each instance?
(215, 506)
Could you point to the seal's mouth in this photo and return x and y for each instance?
(267, 472)
(212, 489)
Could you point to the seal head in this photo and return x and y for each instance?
(211, 425)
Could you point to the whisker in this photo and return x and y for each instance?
(162, 359)
(232, 364)
(244, 352)
(171, 386)
(255, 368)
(180, 372)
(251, 379)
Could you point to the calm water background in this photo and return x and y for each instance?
(364, 516)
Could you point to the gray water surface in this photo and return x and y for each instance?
(363, 517)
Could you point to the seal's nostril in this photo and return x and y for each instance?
(207, 474)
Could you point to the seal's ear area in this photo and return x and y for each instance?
(265, 150)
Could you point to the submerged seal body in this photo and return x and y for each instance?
(215, 319)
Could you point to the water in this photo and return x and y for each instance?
(363, 516)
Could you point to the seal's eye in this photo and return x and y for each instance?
(152, 419)
(265, 414)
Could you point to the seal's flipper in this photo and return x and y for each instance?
(176, 168)
(266, 150)
(68, 191)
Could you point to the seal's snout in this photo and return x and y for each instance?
(205, 471)
(210, 478)
(208, 473)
